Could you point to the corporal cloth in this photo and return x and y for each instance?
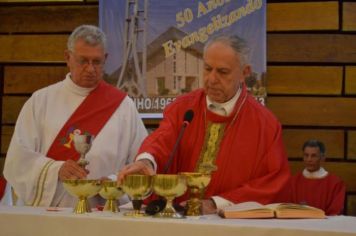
(251, 163)
(34, 175)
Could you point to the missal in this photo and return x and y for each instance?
(255, 210)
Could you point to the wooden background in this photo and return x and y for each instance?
(311, 70)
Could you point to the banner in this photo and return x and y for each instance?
(155, 47)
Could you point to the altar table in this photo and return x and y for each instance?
(39, 221)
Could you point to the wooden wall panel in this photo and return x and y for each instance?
(32, 48)
(46, 18)
(333, 140)
(11, 106)
(346, 171)
(351, 151)
(27, 79)
(351, 205)
(6, 134)
(320, 80)
(314, 111)
(303, 16)
(2, 161)
(311, 48)
(350, 80)
(349, 16)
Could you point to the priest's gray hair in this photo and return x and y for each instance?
(238, 44)
(315, 143)
(91, 35)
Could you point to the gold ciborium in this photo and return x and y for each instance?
(196, 183)
(169, 186)
(111, 192)
(137, 187)
(82, 189)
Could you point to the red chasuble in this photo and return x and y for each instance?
(2, 186)
(90, 117)
(327, 193)
(251, 160)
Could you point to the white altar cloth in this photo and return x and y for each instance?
(22, 221)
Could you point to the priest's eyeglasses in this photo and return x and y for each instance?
(84, 62)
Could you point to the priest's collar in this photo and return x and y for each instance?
(68, 82)
(225, 108)
(319, 174)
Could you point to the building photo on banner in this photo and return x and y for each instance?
(155, 47)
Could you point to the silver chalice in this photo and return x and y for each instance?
(82, 144)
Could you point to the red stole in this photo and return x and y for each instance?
(90, 117)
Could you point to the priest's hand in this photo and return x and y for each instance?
(141, 166)
(209, 207)
(71, 170)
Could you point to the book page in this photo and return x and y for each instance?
(289, 210)
(292, 206)
(247, 210)
(244, 206)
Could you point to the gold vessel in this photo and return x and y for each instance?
(111, 192)
(169, 186)
(137, 187)
(196, 182)
(82, 189)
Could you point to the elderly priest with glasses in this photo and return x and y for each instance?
(41, 153)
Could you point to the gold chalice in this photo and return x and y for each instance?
(111, 192)
(196, 183)
(169, 186)
(82, 189)
(137, 187)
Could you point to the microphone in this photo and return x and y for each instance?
(188, 117)
(158, 205)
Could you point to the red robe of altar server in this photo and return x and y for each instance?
(250, 159)
(2, 186)
(327, 193)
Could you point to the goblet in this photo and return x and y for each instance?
(196, 183)
(137, 187)
(111, 192)
(82, 144)
(82, 189)
(169, 186)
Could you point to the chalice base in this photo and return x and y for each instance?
(136, 203)
(82, 206)
(135, 214)
(194, 207)
(111, 205)
(169, 212)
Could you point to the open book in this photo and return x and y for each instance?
(250, 210)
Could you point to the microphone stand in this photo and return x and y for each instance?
(158, 205)
(180, 135)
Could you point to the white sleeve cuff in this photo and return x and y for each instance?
(112, 177)
(221, 202)
(147, 156)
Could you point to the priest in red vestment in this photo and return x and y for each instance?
(231, 136)
(316, 187)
